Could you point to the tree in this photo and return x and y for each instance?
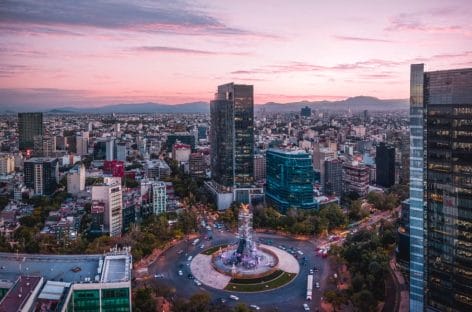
(336, 298)
(143, 300)
(364, 301)
(199, 302)
(334, 216)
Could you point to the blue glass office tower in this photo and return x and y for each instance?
(289, 180)
(440, 190)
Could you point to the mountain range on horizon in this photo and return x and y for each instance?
(357, 103)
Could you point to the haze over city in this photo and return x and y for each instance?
(92, 53)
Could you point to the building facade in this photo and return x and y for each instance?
(440, 189)
(232, 135)
(333, 177)
(289, 180)
(159, 197)
(385, 165)
(29, 126)
(7, 164)
(356, 178)
(41, 175)
(76, 179)
(110, 194)
(259, 167)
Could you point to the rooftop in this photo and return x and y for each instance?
(19, 294)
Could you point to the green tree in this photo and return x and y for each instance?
(143, 301)
(333, 216)
(336, 298)
(199, 302)
(364, 301)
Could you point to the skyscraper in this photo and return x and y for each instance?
(440, 189)
(290, 179)
(232, 135)
(41, 175)
(29, 126)
(385, 165)
(333, 177)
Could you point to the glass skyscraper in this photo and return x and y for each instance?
(29, 126)
(440, 190)
(289, 180)
(232, 135)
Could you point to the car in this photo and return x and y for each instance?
(181, 251)
(222, 300)
(180, 273)
(255, 307)
(159, 276)
(233, 297)
(202, 246)
(306, 307)
(197, 282)
(190, 276)
(317, 285)
(311, 271)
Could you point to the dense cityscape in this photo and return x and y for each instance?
(228, 204)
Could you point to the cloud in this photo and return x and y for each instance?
(307, 67)
(360, 39)
(175, 50)
(410, 22)
(178, 17)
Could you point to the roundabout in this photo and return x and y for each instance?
(277, 281)
(244, 265)
(287, 268)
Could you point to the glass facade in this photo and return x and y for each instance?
(448, 101)
(96, 300)
(232, 135)
(29, 126)
(441, 191)
(290, 180)
(416, 188)
(385, 165)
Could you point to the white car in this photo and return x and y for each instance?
(317, 285)
(306, 307)
(197, 282)
(181, 273)
(159, 276)
(255, 307)
(234, 297)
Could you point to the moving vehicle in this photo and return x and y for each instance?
(197, 282)
(309, 287)
(236, 298)
(181, 273)
(255, 307)
(195, 242)
(317, 285)
(306, 307)
(159, 276)
(189, 258)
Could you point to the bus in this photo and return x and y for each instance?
(195, 242)
(309, 287)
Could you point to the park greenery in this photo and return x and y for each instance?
(295, 221)
(366, 255)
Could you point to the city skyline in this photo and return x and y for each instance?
(94, 53)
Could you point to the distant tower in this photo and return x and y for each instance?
(29, 126)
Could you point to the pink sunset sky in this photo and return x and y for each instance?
(91, 52)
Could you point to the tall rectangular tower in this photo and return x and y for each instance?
(29, 126)
(232, 135)
(385, 165)
(441, 190)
